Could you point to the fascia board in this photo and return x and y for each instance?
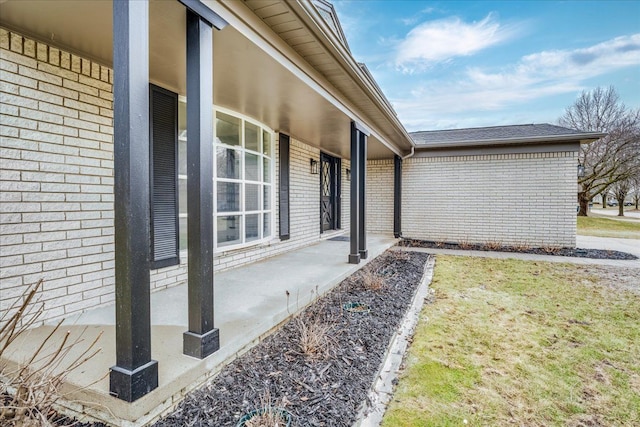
(315, 23)
(241, 18)
(582, 138)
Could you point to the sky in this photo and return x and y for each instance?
(460, 64)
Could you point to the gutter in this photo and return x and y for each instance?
(305, 9)
(582, 138)
(411, 153)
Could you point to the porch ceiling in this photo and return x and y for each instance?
(247, 79)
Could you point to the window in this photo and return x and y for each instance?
(243, 180)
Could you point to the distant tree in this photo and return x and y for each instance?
(620, 191)
(635, 190)
(604, 194)
(607, 160)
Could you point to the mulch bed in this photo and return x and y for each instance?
(318, 390)
(570, 252)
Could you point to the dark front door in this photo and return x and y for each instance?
(329, 192)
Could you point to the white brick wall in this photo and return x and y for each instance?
(56, 211)
(380, 195)
(56, 183)
(505, 198)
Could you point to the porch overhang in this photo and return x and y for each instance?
(258, 70)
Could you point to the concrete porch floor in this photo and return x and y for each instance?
(249, 303)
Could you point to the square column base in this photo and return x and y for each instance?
(201, 346)
(132, 385)
(354, 258)
(364, 254)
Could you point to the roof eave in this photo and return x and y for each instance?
(341, 54)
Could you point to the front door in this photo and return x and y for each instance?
(329, 192)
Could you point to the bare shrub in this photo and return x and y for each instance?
(30, 391)
(315, 338)
(270, 413)
(371, 282)
(521, 247)
(493, 245)
(551, 250)
(465, 245)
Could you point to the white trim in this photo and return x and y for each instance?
(236, 21)
(242, 182)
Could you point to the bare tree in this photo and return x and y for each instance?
(604, 194)
(609, 159)
(620, 191)
(635, 189)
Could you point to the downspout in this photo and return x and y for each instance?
(411, 153)
(397, 203)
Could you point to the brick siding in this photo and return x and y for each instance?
(380, 196)
(511, 199)
(56, 183)
(57, 176)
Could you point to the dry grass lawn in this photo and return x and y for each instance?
(599, 226)
(515, 343)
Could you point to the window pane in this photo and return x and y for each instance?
(266, 170)
(251, 137)
(266, 225)
(266, 197)
(182, 157)
(227, 129)
(182, 119)
(252, 227)
(252, 197)
(228, 197)
(183, 233)
(251, 171)
(182, 195)
(266, 143)
(228, 230)
(227, 163)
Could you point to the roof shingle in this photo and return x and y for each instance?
(498, 134)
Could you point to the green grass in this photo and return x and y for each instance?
(606, 227)
(509, 342)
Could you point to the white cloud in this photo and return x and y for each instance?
(438, 41)
(534, 77)
(412, 20)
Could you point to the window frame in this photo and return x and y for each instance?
(242, 212)
(243, 181)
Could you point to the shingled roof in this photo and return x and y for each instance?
(501, 135)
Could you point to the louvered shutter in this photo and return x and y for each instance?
(283, 191)
(163, 107)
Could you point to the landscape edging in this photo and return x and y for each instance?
(381, 392)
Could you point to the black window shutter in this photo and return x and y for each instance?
(283, 205)
(163, 123)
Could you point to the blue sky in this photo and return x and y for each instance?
(458, 64)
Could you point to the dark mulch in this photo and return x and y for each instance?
(317, 392)
(570, 252)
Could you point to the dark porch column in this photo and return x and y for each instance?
(362, 178)
(134, 374)
(202, 339)
(397, 196)
(354, 230)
